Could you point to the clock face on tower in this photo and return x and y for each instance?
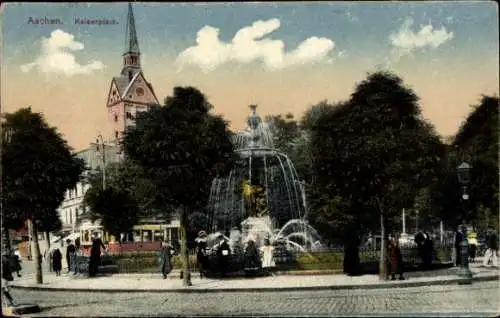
(139, 91)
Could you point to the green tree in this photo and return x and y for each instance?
(375, 151)
(477, 143)
(38, 169)
(126, 176)
(182, 147)
(49, 222)
(116, 209)
(284, 130)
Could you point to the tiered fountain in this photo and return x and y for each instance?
(262, 198)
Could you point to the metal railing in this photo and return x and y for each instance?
(327, 258)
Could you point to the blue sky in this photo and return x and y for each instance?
(447, 51)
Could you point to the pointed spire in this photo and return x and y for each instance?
(131, 42)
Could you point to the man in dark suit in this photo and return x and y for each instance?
(70, 255)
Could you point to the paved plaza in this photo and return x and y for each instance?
(423, 293)
(479, 299)
(155, 282)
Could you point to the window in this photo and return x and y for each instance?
(129, 115)
(70, 217)
(116, 118)
(139, 91)
(116, 134)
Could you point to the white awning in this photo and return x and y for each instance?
(55, 239)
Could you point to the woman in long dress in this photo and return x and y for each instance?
(166, 254)
(95, 255)
(267, 256)
(201, 253)
(57, 261)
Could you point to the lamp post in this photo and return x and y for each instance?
(463, 173)
(100, 141)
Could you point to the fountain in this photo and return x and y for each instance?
(262, 198)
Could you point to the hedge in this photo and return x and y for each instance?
(148, 262)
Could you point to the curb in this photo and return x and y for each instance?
(381, 285)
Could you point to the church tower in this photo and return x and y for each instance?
(129, 93)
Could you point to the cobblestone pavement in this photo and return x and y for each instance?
(479, 298)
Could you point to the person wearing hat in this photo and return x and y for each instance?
(201, 253)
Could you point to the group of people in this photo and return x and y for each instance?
(255, 258)
(55, 258)
(72, 252)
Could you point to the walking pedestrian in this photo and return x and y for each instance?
(57, 261)
(166, 253)
(70, 254)
(352, 261)
(95, 254)
(48, 257)
(15, 263)
(492, 250)
(201, 253)
(395, 260)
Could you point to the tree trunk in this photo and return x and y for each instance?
(383, 249)
(6, 246)
(36, 255)
(184, 249)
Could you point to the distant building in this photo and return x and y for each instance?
(72, 208)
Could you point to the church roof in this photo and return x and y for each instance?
(131, 42)
(134, 78)
(123, 84)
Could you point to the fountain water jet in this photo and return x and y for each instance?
(262, 197)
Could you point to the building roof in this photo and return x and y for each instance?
(131, 41)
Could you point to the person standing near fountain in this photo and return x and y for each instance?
(252, 264)
(223, 252)
(267, 256)
(201, 253)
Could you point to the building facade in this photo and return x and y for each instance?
(72, 208)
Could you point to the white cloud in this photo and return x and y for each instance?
(250, 44)
(56, 56)
(406, 41)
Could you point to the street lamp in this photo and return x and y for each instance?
(463, 173)
(100, 141)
